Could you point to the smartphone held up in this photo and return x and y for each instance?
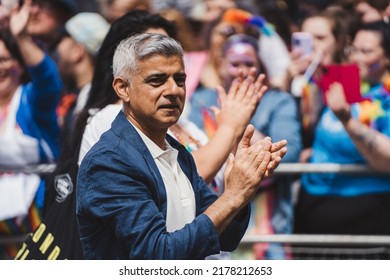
(348, 76)
(303, 42)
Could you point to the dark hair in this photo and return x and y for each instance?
(64, 9)
(380, 5)
(382, 28)
(11, 45)
(279, 14)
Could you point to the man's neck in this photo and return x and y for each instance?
(158, 137)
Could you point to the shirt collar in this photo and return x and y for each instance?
(170, 154)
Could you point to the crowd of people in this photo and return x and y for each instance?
(167, 119)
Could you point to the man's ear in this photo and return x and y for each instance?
(121, 88)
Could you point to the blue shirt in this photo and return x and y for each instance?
(36, 114)
(332, 144)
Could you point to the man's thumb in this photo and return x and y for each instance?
(247, 136)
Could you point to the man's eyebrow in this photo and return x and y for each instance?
(154, 76)
(163, 75)
(180, 75)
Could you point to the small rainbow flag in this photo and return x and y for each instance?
(241, 16)
(370, 111)
(209, 123)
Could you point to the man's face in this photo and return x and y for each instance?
(156, 94)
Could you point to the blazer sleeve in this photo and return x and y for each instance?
(233, 234)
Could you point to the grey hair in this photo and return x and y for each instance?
(138, 47)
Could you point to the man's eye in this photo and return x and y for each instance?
(157, 82)
(180, 81)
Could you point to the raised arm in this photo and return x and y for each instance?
(237, 108)
(31, 53)
(372, 144)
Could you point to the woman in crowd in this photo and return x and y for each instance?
(329, 32)
(30, 87)
(353, 134)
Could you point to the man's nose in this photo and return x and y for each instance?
(172, 86)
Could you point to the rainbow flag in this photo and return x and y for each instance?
(209, 123)
(18, 226)
(372, 109)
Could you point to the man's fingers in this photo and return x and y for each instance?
(263, 158)
(229, 165)
(246, 138)
(280, 153)
(273, 164)
(278, 145)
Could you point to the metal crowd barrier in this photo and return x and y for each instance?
(326, 247)
(296, 246)
(283, 168)
(40, 169)
(309, 239)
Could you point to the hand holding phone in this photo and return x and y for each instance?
(302, 41)
(347, 75)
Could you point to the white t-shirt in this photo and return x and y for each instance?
(97, 125)
(17, 190)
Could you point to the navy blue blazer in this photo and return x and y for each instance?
(122, 203)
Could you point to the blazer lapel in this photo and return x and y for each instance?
(125, 130)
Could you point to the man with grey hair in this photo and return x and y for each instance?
(139, 195)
